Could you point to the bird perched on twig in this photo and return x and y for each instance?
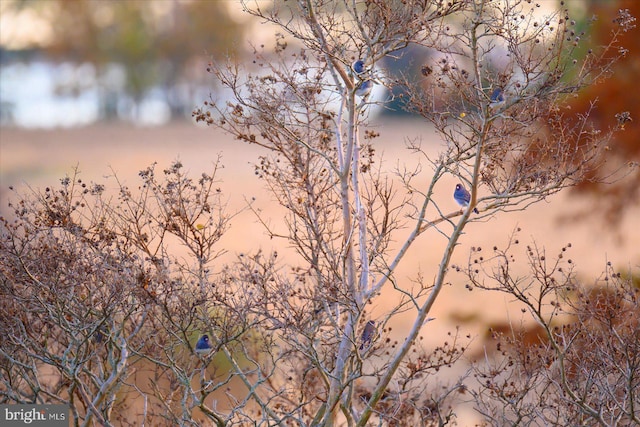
(496, 100)
(358, 66)
(364, 87)
(203, 346)
(463, 197)
(367, 334)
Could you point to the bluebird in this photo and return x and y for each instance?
(463, 197)
(364, 88)
(497, 98)
(367, 334)
(358, 66)
(203, 346)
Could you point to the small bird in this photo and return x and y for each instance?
(497, 98)
(203, 346)
(358, 66)
(364, 88)
(367, 334)
(463, 197)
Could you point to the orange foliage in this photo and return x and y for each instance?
(615, 95)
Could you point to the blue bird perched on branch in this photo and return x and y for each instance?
(497, 99)
(203, 346)
(358, 66)
(364, 87)
(463, 197)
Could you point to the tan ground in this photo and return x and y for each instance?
(39, 158)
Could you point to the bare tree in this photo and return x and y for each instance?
(301, 104)
(582, 367)
(293, 342)
(89, 277)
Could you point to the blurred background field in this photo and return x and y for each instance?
(39, 158)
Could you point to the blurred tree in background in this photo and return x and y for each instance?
(159, 44)
(614, 95)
